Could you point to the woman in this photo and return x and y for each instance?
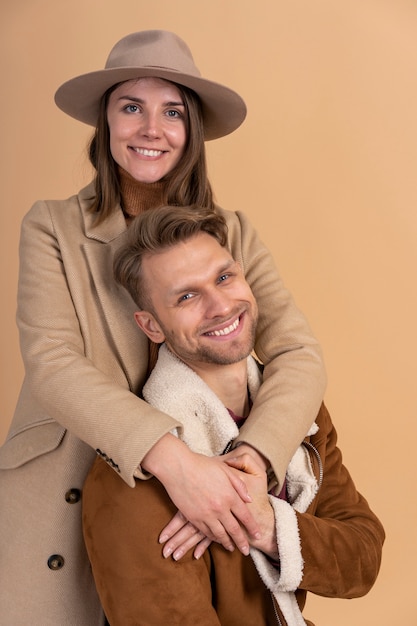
(86, 362)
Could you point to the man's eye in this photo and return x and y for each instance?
(186, 296)
(223, 277)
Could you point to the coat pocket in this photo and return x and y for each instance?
(30, 443)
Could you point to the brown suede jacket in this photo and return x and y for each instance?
(329, 540)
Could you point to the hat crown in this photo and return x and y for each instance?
(153, 48)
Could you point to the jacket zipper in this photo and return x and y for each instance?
(316, 453)
(274, 604)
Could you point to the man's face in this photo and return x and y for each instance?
(202, 305)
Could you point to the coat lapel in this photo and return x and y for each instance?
(117, 307)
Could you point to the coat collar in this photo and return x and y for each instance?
(106, 231)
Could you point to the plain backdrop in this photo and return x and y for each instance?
(325, 166)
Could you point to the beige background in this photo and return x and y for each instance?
(326, 167)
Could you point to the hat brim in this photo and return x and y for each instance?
(223, 109)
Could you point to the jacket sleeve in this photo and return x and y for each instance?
(333, 548)
(341, 538)
(294, 374)
(73, 369)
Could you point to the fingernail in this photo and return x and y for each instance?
(163, 538)
(177, 555)
(167, 552)
(245, 550)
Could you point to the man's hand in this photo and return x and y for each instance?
(255, 478)
(210, 493)
(180, 536)
(246, 448)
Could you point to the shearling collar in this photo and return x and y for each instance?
(176, 389)
(207, 428)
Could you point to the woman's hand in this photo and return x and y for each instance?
(210, 493)
(180, 535)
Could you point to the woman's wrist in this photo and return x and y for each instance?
(162, 457)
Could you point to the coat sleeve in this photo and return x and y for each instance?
(294, 374)
(73, 370)
(341, 538)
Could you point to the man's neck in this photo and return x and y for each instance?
(229, 383)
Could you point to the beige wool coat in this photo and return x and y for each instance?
(85, 363)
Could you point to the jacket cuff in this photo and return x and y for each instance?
(290, 572)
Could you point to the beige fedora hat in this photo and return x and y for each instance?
(161, 54)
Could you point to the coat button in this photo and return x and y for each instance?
(73, 496)
(56, 561)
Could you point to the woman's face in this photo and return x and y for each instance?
(147, 123)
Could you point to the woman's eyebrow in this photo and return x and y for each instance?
(141, 101)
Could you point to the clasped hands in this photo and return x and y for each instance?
(227, 502)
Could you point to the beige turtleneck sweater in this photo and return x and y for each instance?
(136, 196)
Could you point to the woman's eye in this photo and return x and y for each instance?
(132, 108)
(173, 113)
(223, 277)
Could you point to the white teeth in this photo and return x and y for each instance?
(225, 331)
(150, 153)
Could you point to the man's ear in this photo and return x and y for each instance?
(150, 326)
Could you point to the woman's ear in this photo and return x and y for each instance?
(150, 326)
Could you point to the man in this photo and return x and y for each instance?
(317, 535)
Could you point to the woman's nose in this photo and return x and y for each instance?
(151, 126)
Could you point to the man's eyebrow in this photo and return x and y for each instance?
(177, 291)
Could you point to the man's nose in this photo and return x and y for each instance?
(218, 303)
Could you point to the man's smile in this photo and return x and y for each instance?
(224, 331)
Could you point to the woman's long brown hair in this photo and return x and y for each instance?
(188, 182)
